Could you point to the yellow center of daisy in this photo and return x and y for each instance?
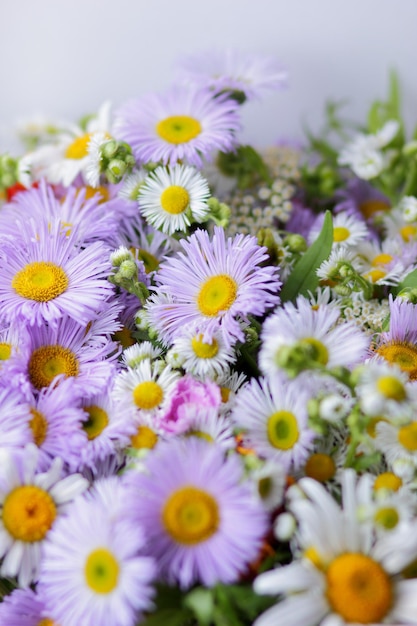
(370, 207)
(178, 129)
(407, 436)
(40, 281)
(148, 395)
(200, 435)
(39, 426)
(315, 558)
(381, 259)
(372, 424)
(403, 354)
(79, 147)
(97, 421)
(124, 337)
(190, 515)
(282, 429)
(340, 233)
(46, 622)
(387, 480)
(408, 232)
(90, 192)
(150, 261)
(358, 589)
(47, 362)
(144, 438)
(321, 467)
(5, 351)
(265, 487)
(225, 394)
(101, 571)
(204, 350)
(217, 294)
(411, 570)
(375, 275)
(391, 388)
(387, 517)
(28, 513)
(316, 349)
(175, 199)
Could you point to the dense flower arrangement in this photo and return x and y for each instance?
(208, 359)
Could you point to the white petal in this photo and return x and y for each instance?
(302, 610)
(293, 577)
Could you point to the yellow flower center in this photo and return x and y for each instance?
(190, 515)
(79, 147)
(217, 294)
(178, 129)
(28, 513)
(225, 394)
(90, 192)
(101, 571)
(408, 232)
(370, 207)
(124, 337)
(387, 517)
(5, 351)
(40, 281)
(282, 430)
(387, 480)
(204, 350)
(314, 557)
(97, 421)
(375, 275)
(391, 388)
(39, 427)
(403, 354)
(46, 622)
(175, 199)
(200, 435)
(372, 424)
(47, 362)
(317, 350)
(381, 259)
(407, 436)
(150, 261)
(358, 589)
(340, 233)
(321, 467)
(144, 438)
(148, 395)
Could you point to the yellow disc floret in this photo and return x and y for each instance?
(402, 354)
(39, 426)
(148, 395)
(282, 429)
(391, 388)
(381, 259)
(28, 513)
(370, 207)
(5, 351)
(407, 436)
(340, 233)
(175, 199)
(144, 438)
(217, 294)
(321, 467)
(47, 362)
(190, 515)
(358, 589)
(178, 129)
(388, 480)
(316, 349)
(204, 350)
(40, 281)
(387, 517)
(79, 147)
(97, 421)
(101, 571)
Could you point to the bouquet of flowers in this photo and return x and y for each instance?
(208, 357)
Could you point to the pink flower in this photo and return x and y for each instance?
(189, 395)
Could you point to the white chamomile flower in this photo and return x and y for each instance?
(348, 230)
(385, 389)
(397, 442)
(230, 383)
(348, 573)
(30, 503)
(205, 423)
(385, 263)
(203, 358)
(397, 225)
(269, 483)
(132, 183)
(133, 355)
(408, 206)
(145, 388)
(94, 158)
(338, 258)
(334, 408)
(172, 198)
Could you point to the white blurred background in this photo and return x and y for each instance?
(63, 58)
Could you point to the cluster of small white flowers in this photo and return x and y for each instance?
(369, 315)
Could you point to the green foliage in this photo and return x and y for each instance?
(246, 165)
(304, 278)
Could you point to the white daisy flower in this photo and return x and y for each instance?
(386, 263)
(348, 574)
(398, 225)
(206, 423)
(269, 481)
(348, 230)
(94, 157)
(385, 389)
(132, 183)
(339, 257)
(133, 355)
(173, 198)
(397, 442)
(30, 504)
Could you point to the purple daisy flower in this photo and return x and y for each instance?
(213, 283)
(92, 572)
(23, 607)
(201, 521)
(185, 125)
(362, 200)
(233, 70)
(43, 275)
(15, 432)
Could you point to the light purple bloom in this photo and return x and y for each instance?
(23, 607)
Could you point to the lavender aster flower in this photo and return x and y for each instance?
(213, 283)
(23, 607)
(183, 124)
(201, 521)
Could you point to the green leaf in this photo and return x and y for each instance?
(303, 278)
(168, 617)
(409, 282)
(200, 601)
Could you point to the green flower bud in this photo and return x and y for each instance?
(128, 269)
(295, 243)
(109, 149)
(117, 167)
